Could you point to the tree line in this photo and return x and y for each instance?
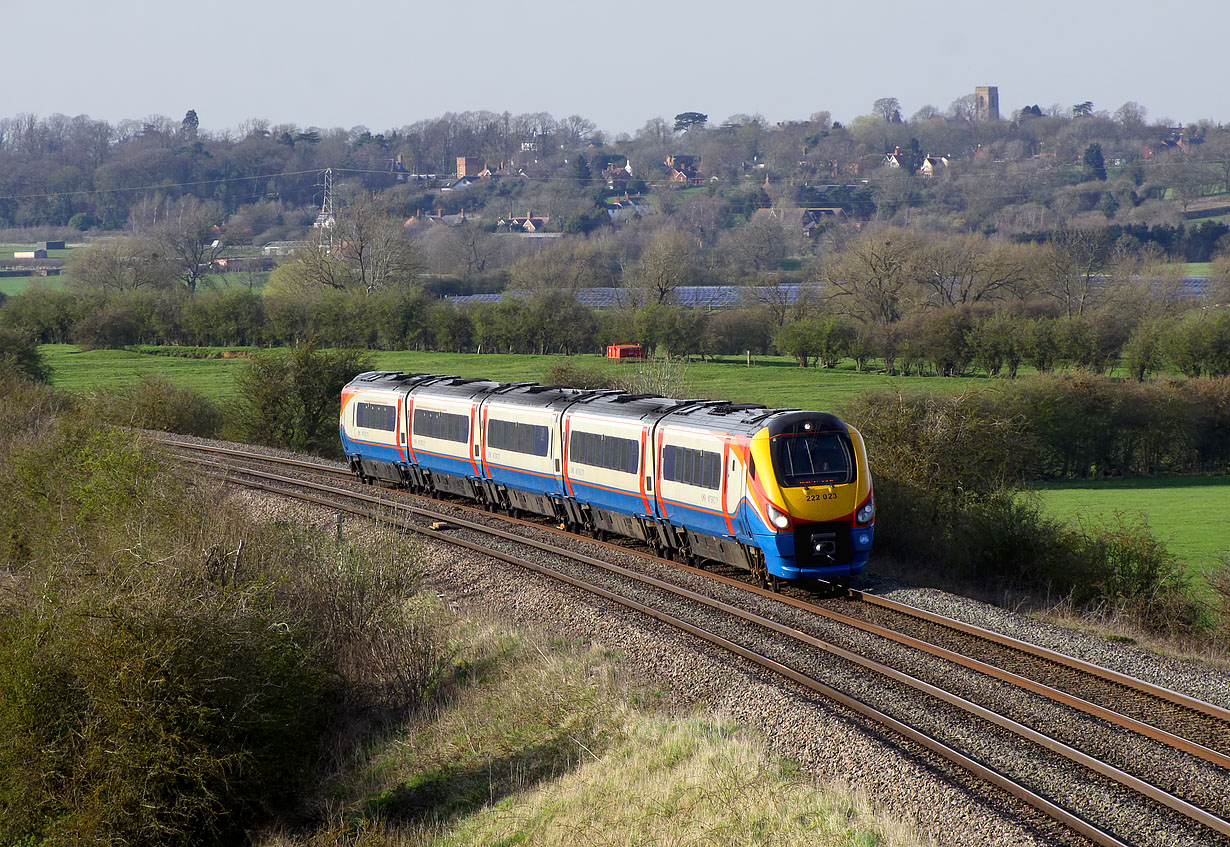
(1031, 172)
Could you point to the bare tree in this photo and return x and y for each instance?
(1189, 180)
(887, 108)
(372, 252)
(575, 129)
(190, 237)
(963, 108)
(1131, 116)
(668, 261)
(1074, 260)
(966, 269)
(759, 245)
(782, 302)
(874, 278)
(122, 264)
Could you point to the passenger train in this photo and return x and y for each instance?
(782, 493)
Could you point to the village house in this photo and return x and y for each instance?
(682, 170)
(528, 224)
(418, 220)
(627, 209)
(813, 219)
(932, 165)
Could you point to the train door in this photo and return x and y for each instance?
(735, 486)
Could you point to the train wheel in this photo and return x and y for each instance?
(775, 584)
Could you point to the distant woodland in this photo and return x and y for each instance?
(1063, 213)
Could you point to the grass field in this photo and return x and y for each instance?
(107, 370)
(772, 380)
(1190, 515)
(255, 280)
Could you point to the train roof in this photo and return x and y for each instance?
(742, 418)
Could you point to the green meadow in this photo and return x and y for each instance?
(80, 371)
(1190, 515)
(771, 380)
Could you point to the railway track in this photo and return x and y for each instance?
(1115, 759)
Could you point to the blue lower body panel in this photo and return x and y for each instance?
(782, 559)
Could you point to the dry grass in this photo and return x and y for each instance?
(537, 743)
(1116, 622)
(682, 782)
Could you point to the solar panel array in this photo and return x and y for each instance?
(708, 297)
(713, 297)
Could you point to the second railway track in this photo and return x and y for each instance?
(1115, 759)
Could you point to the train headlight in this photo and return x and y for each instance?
(780, 519)
(867, 513)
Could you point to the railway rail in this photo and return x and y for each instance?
(1118, 770)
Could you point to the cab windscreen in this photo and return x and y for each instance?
(811, 458)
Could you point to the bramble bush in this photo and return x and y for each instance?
(950, 476)
(291, 398)
(154, 403)
(19, 354)
(172, 672)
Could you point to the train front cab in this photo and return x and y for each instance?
(812, 488)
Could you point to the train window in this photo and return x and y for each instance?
(701, 468)
(817, 458)
(442, 425)
(604, 451)
(375, 416)
(518, 437)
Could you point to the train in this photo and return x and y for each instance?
(784, 494)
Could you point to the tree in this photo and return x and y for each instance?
(887, 108)
(667, 262)
(1188, 180)
(581, 170)
(800, 340)
(757, 246)
(873, 278)
(1074, 260)
(1095, 164)
(967, 269)
(189, 236)
(685, 121)
(1143, 351)
(19, 352)
(1131, 116)
(190, 124)
(1082, 110)
(372, 252)
(964, 108)
(656, 131)
(575, 129)
(1108, 205)
(911, 157)
(122, 264)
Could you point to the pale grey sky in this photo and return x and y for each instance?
(384, 64)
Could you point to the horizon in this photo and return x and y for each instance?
(786, 60)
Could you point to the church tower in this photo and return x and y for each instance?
(986, 103)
